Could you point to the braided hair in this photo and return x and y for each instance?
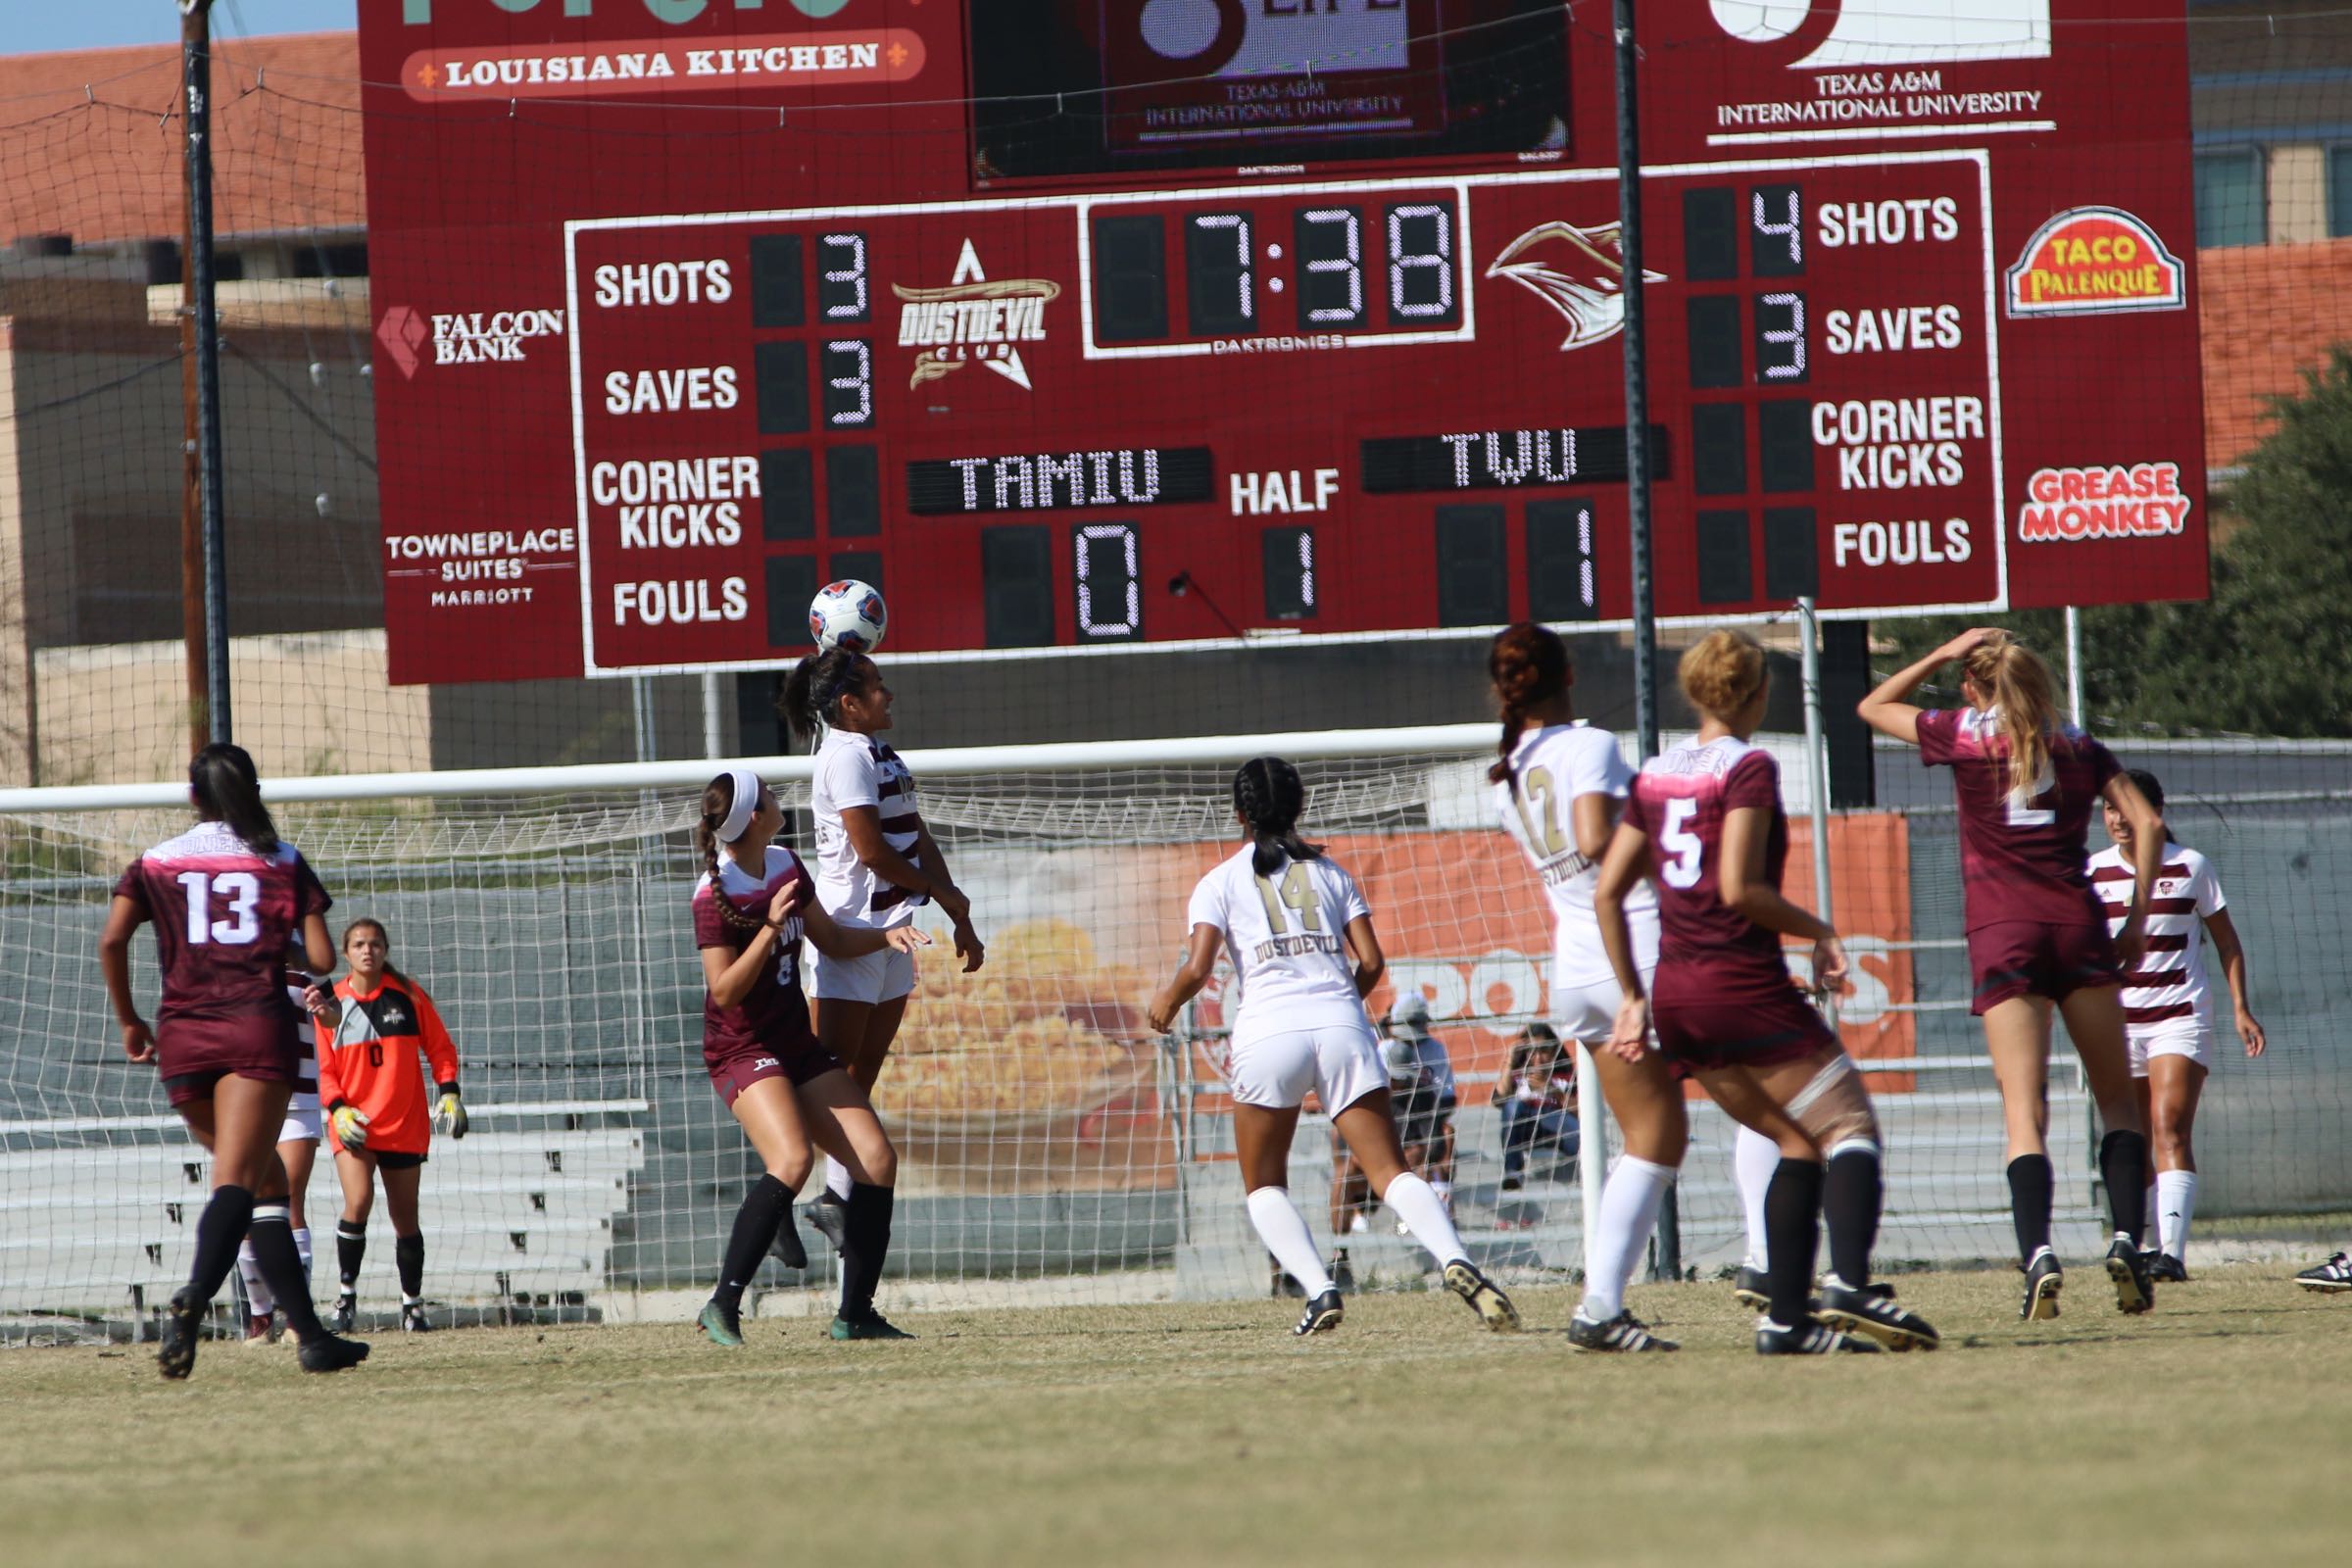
(812, 692)
(1528, 664)
(719, 798)
(1269, 795)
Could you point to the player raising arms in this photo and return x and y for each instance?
(875, 864)
(1705, 821)
(750, 909)
(2167, 1009)
(225, 898)
(1304, 956)
(2038, 935)
(1558, 785)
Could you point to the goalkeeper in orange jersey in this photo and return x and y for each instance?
(379, 1119)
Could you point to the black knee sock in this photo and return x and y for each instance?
(407, 1256)
(866, 1239)
(350, 1246)
(2029, 1184)
(763, 1209)
(281, 1265)
(2123, 1165)
(220, 1231)
(1850, 1209)
(1792, 1234)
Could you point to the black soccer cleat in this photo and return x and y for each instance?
(2043, 1281)
(1869, 1310)
(345, 1314)
(1624, 1331)
(1483, 1296)
(331, 1353)
(183, 1325)
(1322, 1314)
(413, 1319)
(786, 1249)
(2331, 1276)
(1753, 1289)
(868, 1325)
(1808, 1339)
(2134, 1291)
(2166, 1269)
(831, 1219)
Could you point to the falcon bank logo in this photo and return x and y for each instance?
(462, 337)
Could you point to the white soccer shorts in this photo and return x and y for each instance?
(1340, 1062)
(2190, 1037)
(883, 977)
(303, 1121)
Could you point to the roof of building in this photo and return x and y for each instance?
(2266, 313)
(91, 139)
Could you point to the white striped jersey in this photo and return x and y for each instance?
(2170, 982)
(854, 770)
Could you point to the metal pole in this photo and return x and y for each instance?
(2074, 664)
(1667, 1253)
(714, 719)
(641, 714)
(1817, 773)
(203, 556)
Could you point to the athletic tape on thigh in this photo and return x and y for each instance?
(1834, 1107)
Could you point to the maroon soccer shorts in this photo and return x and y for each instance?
(192, 1055)
(1698, 1030)
(2039, 958)
(732, 1075)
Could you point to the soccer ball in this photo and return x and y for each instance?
(849, 615)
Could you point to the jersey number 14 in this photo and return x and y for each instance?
(1297, 892)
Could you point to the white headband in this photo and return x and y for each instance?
(747, 801)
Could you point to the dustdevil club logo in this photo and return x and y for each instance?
(973, 321)
(1579, 272)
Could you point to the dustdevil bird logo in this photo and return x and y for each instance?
(1587, 287)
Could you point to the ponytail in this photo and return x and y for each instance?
(1269, 795)
(2023, 689)
(719, 798)
(811, 693)
(1528, 664)
(226, 789)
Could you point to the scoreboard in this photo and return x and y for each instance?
(1238, 353)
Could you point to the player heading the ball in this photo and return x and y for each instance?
(1304, 956)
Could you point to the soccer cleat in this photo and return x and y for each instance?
(1753, 1289)
(2165, 1267)
(721, 1322)
(1323, 1313)
(346, 1312)
(183, 1321)
(328, 1353)
(2331, 1276)
(2134, 1291)
(831, 1217)
(786, 1249)
(1484, 1295)
(261, 1329)
(1869, 1310)
(1807, 1339)
(869, 1326)
(413, 1319)
(1624, 1331)
(2043, 1280)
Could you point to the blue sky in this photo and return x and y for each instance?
(37, 27)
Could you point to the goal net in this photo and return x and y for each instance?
(1053, 1150)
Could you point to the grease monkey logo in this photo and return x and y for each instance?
(1812, 34)
(973, 321)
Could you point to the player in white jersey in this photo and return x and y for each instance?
(2167, 1010)
(1304, 956)
(1558, 784)
(877, 865)
(297, 1148)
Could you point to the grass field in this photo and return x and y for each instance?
(2213, 1431)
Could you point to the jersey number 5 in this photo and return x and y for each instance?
(1683, 847)
(242, 889)
(1297, 891)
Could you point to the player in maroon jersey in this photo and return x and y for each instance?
(225, 898)
(785, 1089)
(2037, 934)
(1704, 821)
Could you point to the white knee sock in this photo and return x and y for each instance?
(2176, 1205)
(1629, 1213)
(1755, 1157)
(1420, 1210)
(302, 1248)
(837, 1178)
(1284, 1230)
(257, 1290)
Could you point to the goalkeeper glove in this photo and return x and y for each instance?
(449, 1112)
(350, 1125)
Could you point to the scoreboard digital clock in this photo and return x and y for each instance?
(1029, 381)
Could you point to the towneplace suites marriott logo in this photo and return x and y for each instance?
(412, 338)
(973, 321)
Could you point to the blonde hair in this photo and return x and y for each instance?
(2025, 693)
(1722, 671)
